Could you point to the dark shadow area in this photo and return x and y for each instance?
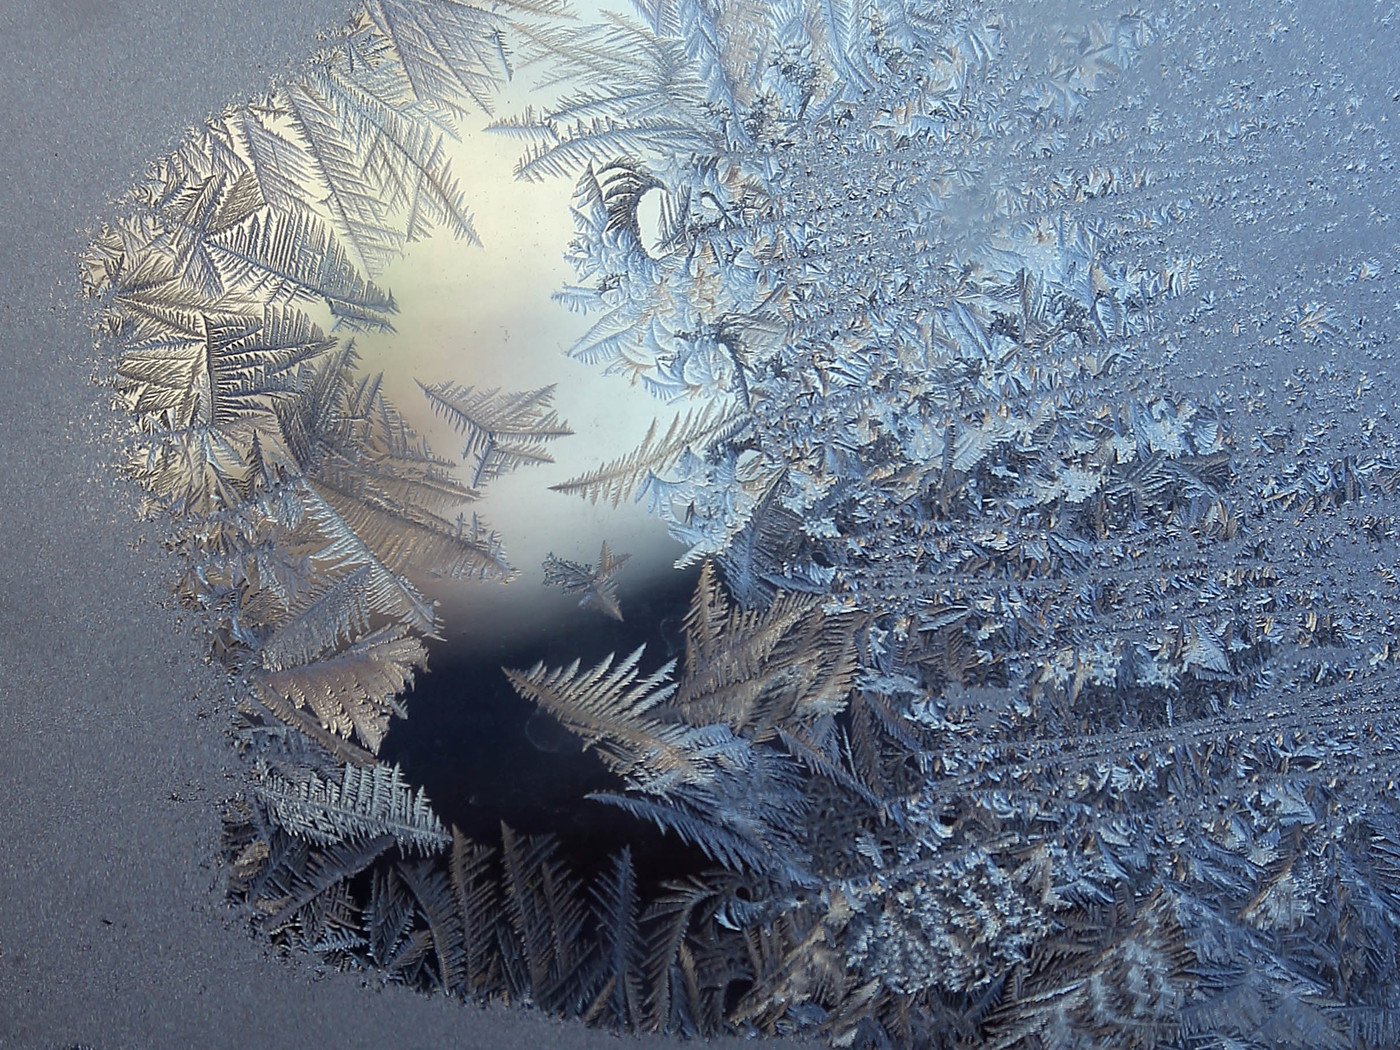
(486, 756)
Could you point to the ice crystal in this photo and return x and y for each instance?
(1037, 690)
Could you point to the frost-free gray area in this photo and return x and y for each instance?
(114, 931)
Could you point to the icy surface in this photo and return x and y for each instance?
(1024, 383)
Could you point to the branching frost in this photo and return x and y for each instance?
(1031, 696)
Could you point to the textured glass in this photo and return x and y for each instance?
(907, 486)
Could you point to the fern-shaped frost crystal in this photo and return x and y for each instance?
(597, 584)
(503, 431)
(364, 804)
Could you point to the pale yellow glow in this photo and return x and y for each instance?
(484, 316)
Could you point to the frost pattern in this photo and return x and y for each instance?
(1094, 651)
(365, 803)
(597, 584)
(1032, 696)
